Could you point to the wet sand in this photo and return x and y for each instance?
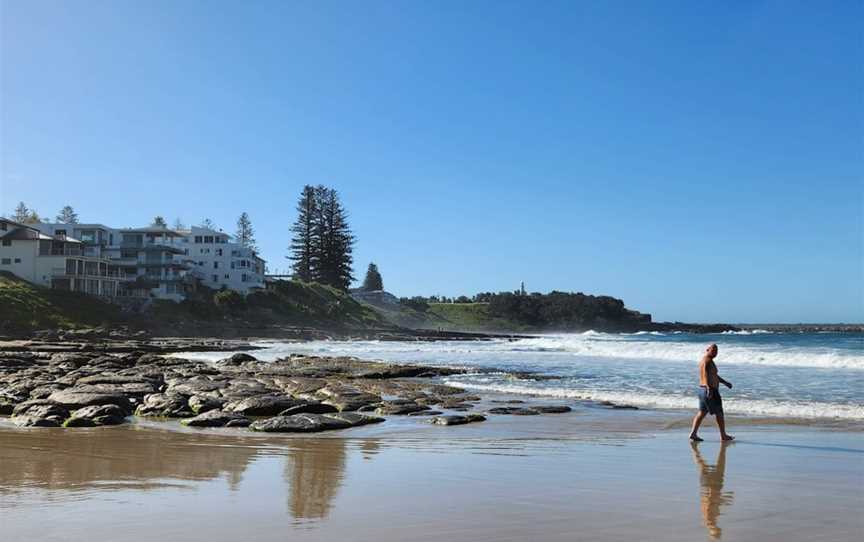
(601, 475)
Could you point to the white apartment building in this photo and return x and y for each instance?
(218, 262)
(148, 263)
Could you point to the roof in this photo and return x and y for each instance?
(26, 234)
(10, 221)
(151, 229)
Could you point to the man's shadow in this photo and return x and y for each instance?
(711, 491)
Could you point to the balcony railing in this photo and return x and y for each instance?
(62, 272)
(65, 251)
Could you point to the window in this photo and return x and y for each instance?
(61, 232)
(3, 226)
(198, 239)
(215, 265)
(208, 238)
(17, 260)
(215, 278)
(232, 265)
(200, 263)
(243, 277)
(6, 261)
(7, 242)
(227, 276)
(242, 263)
(218, 251)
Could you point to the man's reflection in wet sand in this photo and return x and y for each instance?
(711, 482)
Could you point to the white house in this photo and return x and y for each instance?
(56, 261)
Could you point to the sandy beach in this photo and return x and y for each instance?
(587, 475)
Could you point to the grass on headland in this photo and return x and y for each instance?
(469, 317)
(26, 307)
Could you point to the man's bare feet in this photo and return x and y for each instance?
(695, 438)
(727, 438)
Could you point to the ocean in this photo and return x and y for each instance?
(786, 375)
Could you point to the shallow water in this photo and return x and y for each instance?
(801, 375)
(512, 479)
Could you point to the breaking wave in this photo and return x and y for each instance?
(750, 407)
(616, 346)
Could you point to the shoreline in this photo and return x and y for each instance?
(52, 388)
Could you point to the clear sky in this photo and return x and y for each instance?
(700, 160)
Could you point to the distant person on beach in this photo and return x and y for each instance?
(710, 401)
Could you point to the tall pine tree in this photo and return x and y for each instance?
(245, 234)
(21, 213)
(159, 222)
(303, 242)
(336, 243)
(373, 281)
(67, 215)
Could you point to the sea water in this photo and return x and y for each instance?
(800, 375)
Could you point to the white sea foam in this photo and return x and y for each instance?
(614, 346)
(589, 344)
(750, 407)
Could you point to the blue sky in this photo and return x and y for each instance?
(702, 161)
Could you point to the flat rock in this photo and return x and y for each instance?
(164, 406)
(299, 423)
(217, 418)
(96, 415)
(51, 415)
(426, 413)
(309, 408)
(457, 420)
(513, 411)
(397, 408)
(204, 403)
(262, 405)
(355, 419)
(72, 399)
(551, 409)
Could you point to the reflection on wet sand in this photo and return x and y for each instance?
(314, 471)
(711, 492)
(79, 460)
(129, 457)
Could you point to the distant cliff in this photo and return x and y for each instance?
(520, 312)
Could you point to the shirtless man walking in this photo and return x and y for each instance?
(710, 401)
